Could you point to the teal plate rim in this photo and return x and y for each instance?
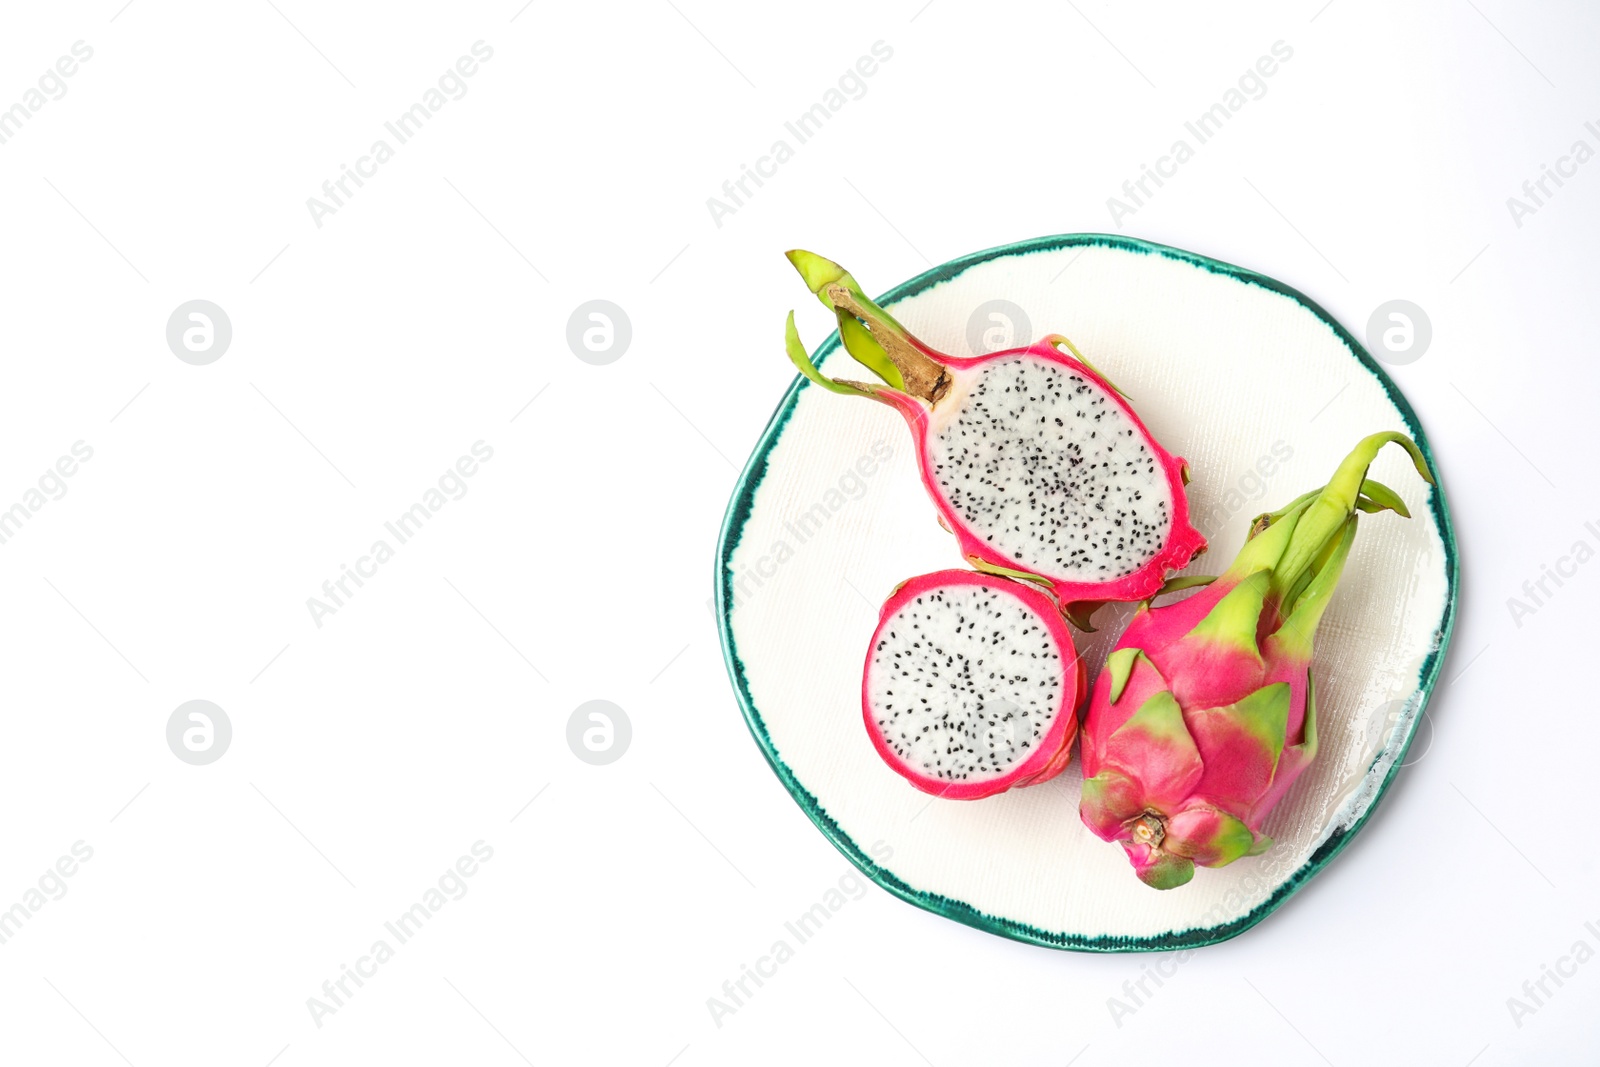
(738, 513)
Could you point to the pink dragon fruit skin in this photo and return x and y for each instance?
(1036, 656)
(1205, 713)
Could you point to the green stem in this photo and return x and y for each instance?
(981, 564)
(1059, 340)
(798, 356)
(1384, 498)
(1267, 544)
(870, 334)
(1265, 519)
(1304, 613)
(1325, 516)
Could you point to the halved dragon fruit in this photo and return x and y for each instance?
(1205, 713)
(1034, 459)
(971, 685)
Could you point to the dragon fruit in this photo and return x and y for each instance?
(1205, 713)
(971, 685)
(1034, 459)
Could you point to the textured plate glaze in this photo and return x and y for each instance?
(1263, 393)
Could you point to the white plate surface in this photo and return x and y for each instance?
(1263, 395)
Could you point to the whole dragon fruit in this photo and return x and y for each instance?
(971, 685)
(1206, 712)
(1035, 461)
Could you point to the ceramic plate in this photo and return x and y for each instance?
(1263, 393)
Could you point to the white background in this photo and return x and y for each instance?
(371, 752)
